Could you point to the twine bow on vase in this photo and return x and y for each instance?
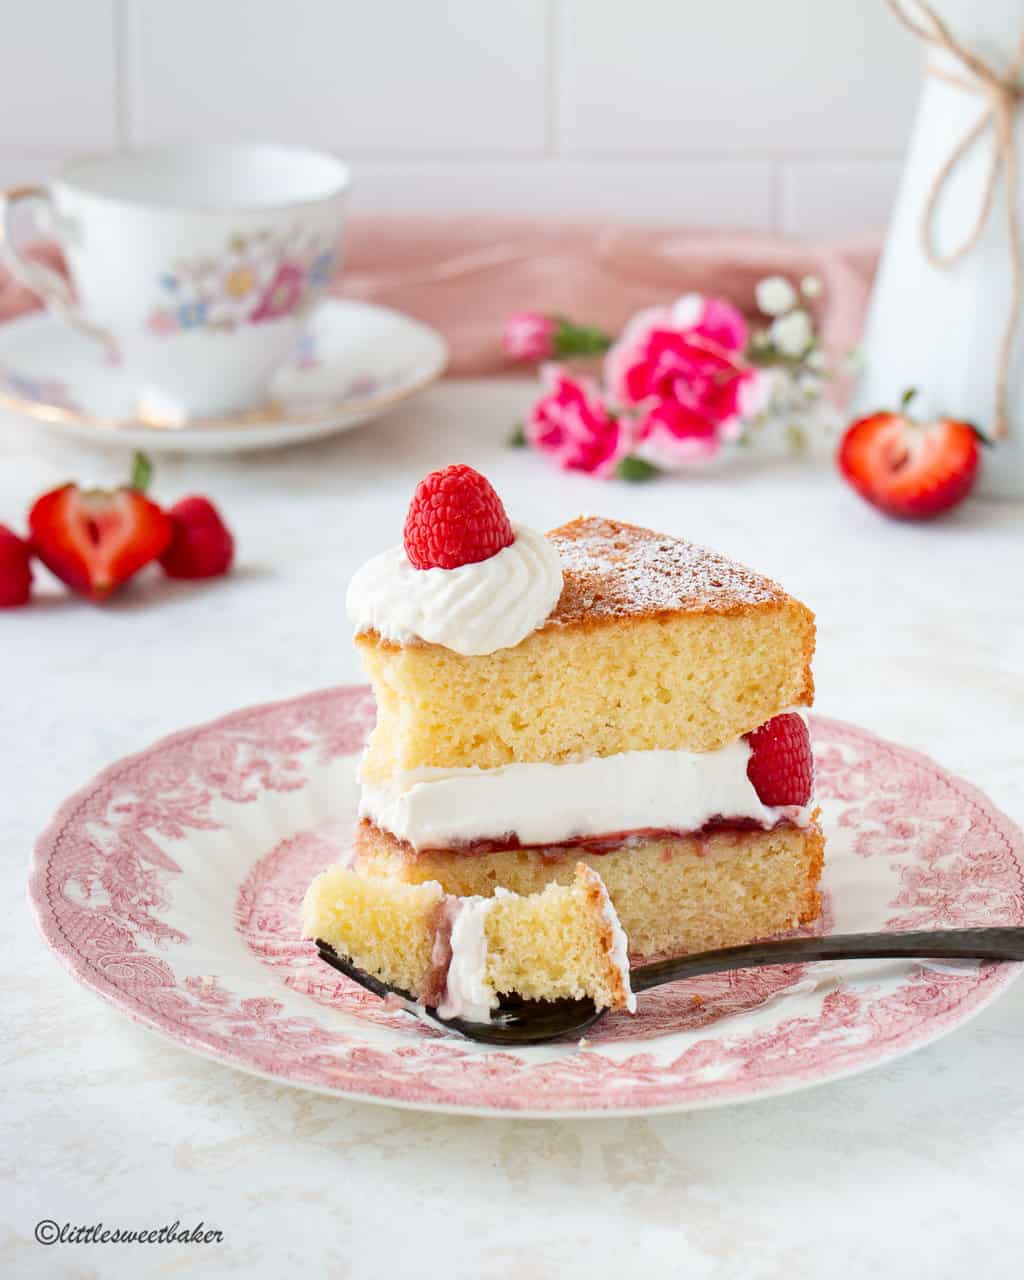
(1004, 93)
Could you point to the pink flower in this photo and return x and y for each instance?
(282, 294)
(162, 321)
(572, 424)
(529, 335)
(673, 435)
(685, 365)
(717, 320)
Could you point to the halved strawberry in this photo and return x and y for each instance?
(15, 570)
(96, 539)
(909, 469)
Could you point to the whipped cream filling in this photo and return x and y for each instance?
(474, 609)
(468, 994)
(543, 804)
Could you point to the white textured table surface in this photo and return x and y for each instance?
(911, 1171)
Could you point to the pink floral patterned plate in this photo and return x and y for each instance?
(170, 886)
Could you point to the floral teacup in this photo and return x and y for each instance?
(195, 264)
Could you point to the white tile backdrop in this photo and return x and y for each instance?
(790, 115)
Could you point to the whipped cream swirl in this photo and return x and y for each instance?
(474, 609)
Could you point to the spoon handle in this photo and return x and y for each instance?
(933, 944)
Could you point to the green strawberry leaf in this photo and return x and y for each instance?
(142, 472)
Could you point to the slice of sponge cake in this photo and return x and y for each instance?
(604, 715)
(655, 644)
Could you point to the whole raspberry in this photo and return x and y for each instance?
(455, 518)
(15, 570)
(780, 765)
(201, 545)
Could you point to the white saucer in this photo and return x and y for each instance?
(354, 362)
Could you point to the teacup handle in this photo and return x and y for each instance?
(48, 285)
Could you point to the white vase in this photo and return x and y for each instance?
(940, 329)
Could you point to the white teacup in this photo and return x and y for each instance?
(196, 264)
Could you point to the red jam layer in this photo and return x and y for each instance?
(596, 845)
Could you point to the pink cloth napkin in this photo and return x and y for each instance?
(466, 274)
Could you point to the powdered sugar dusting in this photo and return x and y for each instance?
(613, 570)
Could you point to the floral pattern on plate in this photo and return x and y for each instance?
(169, 886)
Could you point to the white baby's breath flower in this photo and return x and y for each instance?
(778, 385)
(792, 333)
(809, 386)
(686, 311)
(811, 287)
(815, 360)
(775, 295)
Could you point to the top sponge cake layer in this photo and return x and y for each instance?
(654, 644)
(613, 570)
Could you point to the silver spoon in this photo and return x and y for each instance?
(516, 1021)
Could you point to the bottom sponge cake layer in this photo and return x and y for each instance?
(692, 893)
